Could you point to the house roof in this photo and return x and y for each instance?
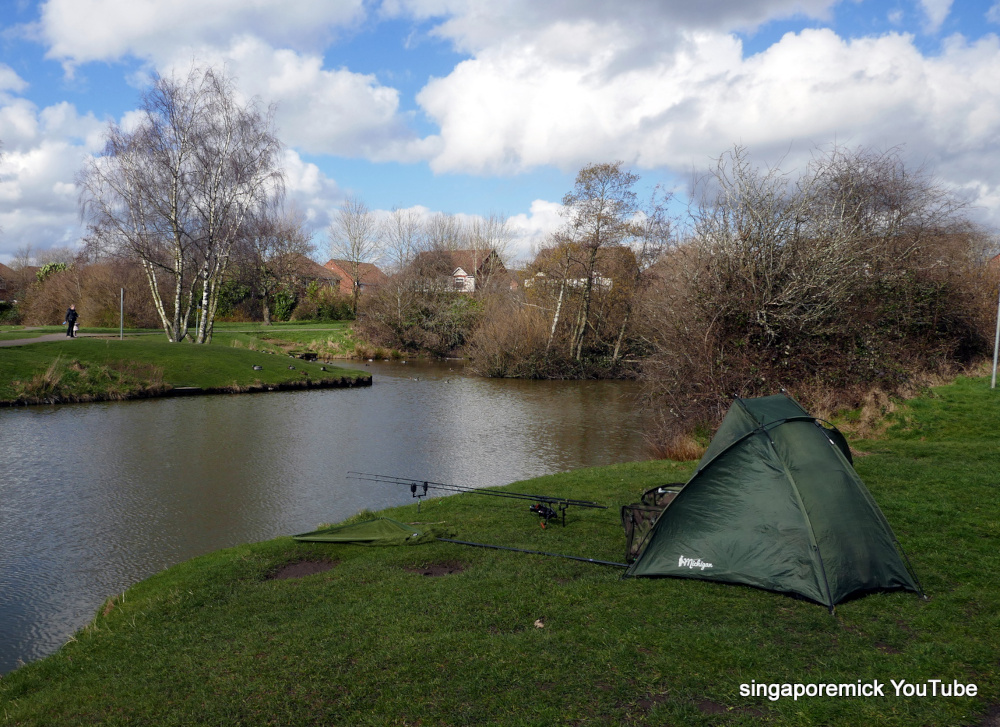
(309, 269)
(370, 273)
(5, 272)
(471, 262)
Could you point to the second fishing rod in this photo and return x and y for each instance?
(545, 506)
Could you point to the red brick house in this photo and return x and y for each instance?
(371, 276)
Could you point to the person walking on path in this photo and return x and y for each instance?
(71, 316)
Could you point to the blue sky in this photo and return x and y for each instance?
(468, 107)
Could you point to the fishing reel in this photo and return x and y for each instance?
(417, 494)
(546, 507)
(545, 512)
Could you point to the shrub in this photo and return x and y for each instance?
(96, 291)
(404, 316)
(323, 304)
(859, 276)
(10, 314)
(284, 304)
(66, 381)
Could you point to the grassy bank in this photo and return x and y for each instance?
(89, 369)
(438, 633)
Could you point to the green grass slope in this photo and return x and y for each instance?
(504, 638)
(107, 368)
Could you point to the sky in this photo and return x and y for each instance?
(476, 107)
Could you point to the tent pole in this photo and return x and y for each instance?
(805, 516)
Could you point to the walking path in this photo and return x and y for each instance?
(47, 337)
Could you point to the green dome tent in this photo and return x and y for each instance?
(775, 503)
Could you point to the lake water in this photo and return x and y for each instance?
(95, 497)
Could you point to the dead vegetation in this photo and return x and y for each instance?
(858, 283)
(72, 381)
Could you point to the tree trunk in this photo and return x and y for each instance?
(621, 337)
(584, 318)
(555, 316)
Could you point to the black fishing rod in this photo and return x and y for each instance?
(545, 506)
(535, 552)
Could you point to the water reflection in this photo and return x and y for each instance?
(95, 497)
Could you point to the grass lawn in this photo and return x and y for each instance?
(329, 340)
(513, 639)
(109, 368)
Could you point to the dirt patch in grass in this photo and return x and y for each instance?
(301, 569)
(992, 717)
(887, 649)
(437, 569)
(707, 706)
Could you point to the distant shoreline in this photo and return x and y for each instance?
(343, 382)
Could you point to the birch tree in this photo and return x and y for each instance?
(175, 189)
(600, 212)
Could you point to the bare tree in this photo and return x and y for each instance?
(176, 190)
(274, 243)
(856, 275)
(354, 240)
(652, 234)
(491, 233)
(24, 257)
(63, 254)
(599, 212)
(445, 232)
(402, 236)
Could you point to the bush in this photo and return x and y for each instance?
(235, 301)
(10, 314)
(403, 316)
(859, 276)
(323, 304)
(511, 342)
(283, 305)
(96, 291)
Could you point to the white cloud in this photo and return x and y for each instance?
(514, 108)
(308, 189)
(271, 46)
(10, 81)
(664, 86)
(319, 110)
(77, 31)
(521, 105)
(532, 230)
(474, 26)
(43, 151)
(936, 12)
